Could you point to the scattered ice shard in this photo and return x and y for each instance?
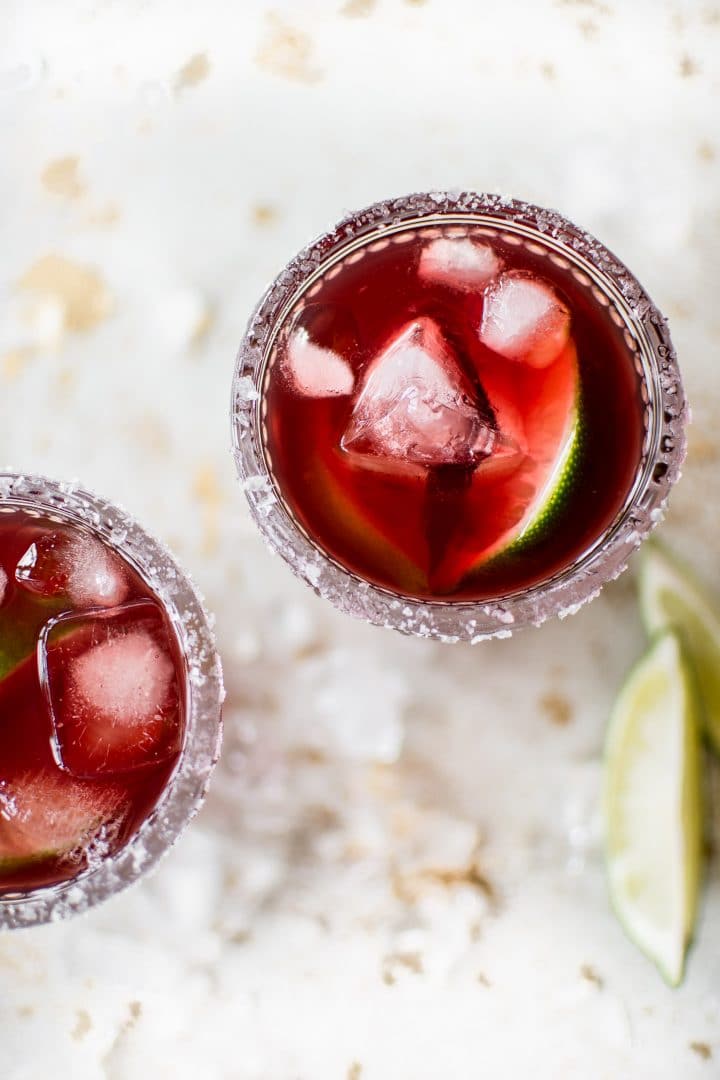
(111, 684)
(320, 338)
(414, 406)
(79, 567)
(524, 319)
(3, 584)
(458, 262)
(44, 813)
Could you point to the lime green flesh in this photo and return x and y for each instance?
(653, 806)
(554, 495)
(19, 629)
(15, 647)
(671, 598)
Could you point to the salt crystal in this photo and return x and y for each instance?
(355, 717)
(246, 390)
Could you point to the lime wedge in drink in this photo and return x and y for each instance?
(653, 806)
(669, 597)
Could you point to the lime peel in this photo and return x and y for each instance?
(671, 598)
(653, 806)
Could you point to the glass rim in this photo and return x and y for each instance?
(185, 791)
(646, 337)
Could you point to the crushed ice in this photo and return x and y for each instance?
(338, 709)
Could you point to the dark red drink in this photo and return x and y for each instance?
(92, 700)
(452, 415)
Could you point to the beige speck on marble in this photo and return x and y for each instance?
(194, 71)
(83, 1024)
(556, 708)
(287, 51)
(61, 177)
(357, 9)
(80, 290)
(108, 214)
(264, 214)
(14, 362)
(210, 497)
(703, 1051)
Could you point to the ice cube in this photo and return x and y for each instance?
(320, 338)
(113, 690)
(73, 565)
(45, 813)
(415, 407)
(458, 262)
(3, 584)
(524, 319)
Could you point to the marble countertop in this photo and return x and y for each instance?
(397, 874)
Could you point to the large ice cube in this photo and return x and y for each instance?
(414, 406)
(458, 262)
(524, 319)
(74, 565)
(113, 690)
(320, 339)
(3, 584)
(46, 813)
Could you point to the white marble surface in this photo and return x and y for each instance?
(397, 873)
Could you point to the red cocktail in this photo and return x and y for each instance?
(462, 402)
(109, 699)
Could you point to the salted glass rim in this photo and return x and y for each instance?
(186, 788)
(646, 337)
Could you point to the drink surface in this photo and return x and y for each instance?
(451, 415)
(92, 690)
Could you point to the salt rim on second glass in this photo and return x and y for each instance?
(646, 337)
(187, 786)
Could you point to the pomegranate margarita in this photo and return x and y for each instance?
(109, 698)
(453, 414)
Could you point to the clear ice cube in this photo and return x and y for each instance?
(3, 585)
(112, 688)
(45, 813)
(524, 319)
(74, 565)
(320, 338)
(414, 406)
(458, 262)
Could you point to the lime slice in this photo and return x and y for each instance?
(555, 490)
(670, 597)
(652, 806)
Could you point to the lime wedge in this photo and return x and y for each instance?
(671, 598)
(653, 806)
